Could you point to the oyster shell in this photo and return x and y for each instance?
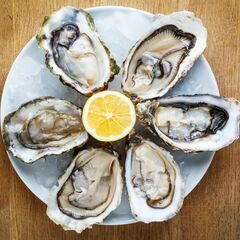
(75, 52)
(163, 55)
(88, 191)
(193, 123)
(43, 126)
(154, 182)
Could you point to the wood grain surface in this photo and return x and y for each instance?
(211, 211)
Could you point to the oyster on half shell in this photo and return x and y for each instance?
(88, 191)
(43, 126)
(75, 52)
(154, 182)
(193, 123)
(163, 55)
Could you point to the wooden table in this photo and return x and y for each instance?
(211, 211)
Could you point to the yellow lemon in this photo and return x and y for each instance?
(108, 116)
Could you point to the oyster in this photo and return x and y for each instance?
(75, 52)
(193, 123)
(43, 126)
(163, 55)
(88, 191)
(154, 183)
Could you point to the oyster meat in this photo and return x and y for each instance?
(154, 182)
(75, 52)
(88, 191)
(163, 55)
(193, 123)
(43, 126)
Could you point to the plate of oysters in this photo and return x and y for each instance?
(131, 127)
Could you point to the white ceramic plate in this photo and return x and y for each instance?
(28, 78)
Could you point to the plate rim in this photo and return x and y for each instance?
(31, 41)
